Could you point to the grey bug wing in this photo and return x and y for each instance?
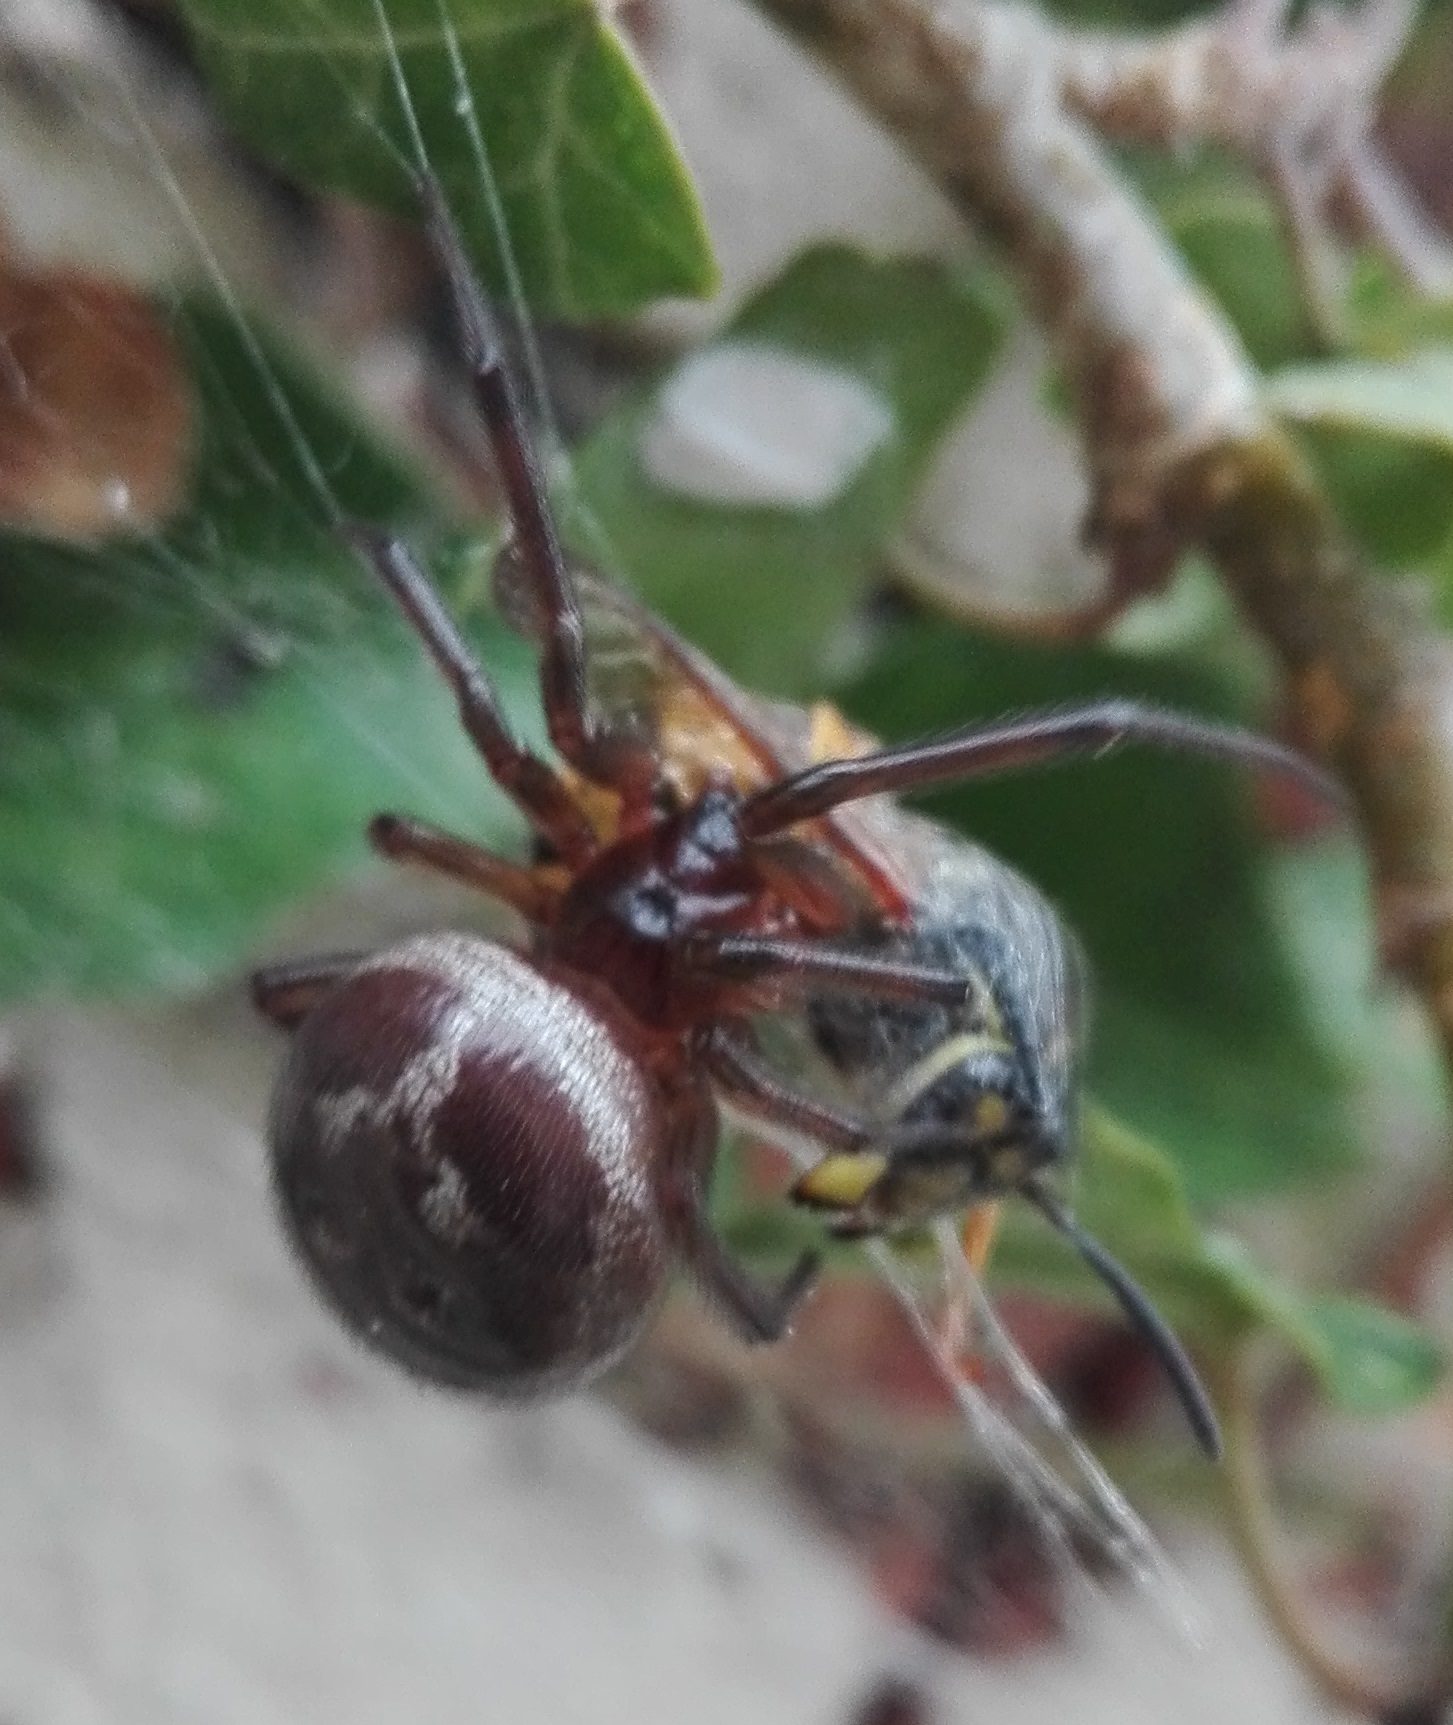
(964, 908)
(1013, 1042)
(1004, 926)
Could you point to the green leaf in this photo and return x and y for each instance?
(761, 588)
(151, 834)
(1382, 433)
(194, 730)
(1320, 895)
(1366, 1359)
(597, 203)
(1203, 1034)
(1121, 14)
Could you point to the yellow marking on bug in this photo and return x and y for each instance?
(840, 1182)
(951, 1052)
(980, 1226)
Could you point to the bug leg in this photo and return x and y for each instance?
(287, 993)
(536, 543)
(523, 889)
(540, 793)
(785, 970)
(986, 749)
(746, 1083)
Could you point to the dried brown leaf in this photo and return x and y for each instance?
(96, 413)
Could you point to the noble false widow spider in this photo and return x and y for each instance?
(490, 1159)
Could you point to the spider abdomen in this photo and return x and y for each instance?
(466, 1154)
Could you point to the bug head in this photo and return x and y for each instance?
(970, 1132)
(974, 1100)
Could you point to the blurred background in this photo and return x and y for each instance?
(218, 327)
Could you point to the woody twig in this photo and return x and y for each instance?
(1297, 103)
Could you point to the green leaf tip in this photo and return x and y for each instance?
(599, 208)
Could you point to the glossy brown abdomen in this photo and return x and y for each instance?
(466, 1155)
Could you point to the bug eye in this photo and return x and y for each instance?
(466, 1157)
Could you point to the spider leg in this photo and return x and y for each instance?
(745, 1082)
(985, 749)
(785, 970)
(539, 791)
(761, 1312)
(287, 993)
(536, 542)
(404, 840)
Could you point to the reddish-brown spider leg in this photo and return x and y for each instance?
(745, 1082)
(987, 749)
(562, 664)
(785, 970)
(287, 993)
(404, 840)
(539, 791)
(761, 1312)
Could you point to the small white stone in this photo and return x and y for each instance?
(744, 423)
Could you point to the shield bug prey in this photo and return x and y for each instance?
(491, 1159)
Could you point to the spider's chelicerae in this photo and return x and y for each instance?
(490, 1158)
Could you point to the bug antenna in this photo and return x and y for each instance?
(1135, 1303)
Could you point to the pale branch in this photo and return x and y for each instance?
(1241, 77)
(1298, 104)
(1391, 218)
